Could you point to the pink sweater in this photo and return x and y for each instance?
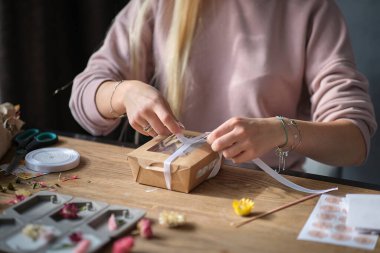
(249, 58)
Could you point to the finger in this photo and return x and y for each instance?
(168, 119)
(234, 150)
(242, 157)
(223, 129)
(225, 141)
(148, 129)
(138, 123)
(157, 124)
(152, 133)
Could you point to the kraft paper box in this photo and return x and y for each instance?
(187, 171)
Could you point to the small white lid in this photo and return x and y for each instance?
(48, 160)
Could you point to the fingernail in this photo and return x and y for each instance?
(180, 125)
(208, 138)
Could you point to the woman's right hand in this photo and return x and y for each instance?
(146, 106)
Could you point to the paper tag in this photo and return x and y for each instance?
(363, 211)
(327, 224)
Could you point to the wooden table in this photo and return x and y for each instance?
(105, 176)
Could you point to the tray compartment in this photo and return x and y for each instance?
(43, 208)
(37, 205)
(8, 224)
(19, 242)
(126, 218)
(97, 241)
(87, 209)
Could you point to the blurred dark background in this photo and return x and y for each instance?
(44, 44)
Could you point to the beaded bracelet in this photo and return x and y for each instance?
(112, 111)
(289, 126)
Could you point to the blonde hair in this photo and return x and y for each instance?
(178, 47)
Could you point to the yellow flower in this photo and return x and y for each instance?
(243, 207)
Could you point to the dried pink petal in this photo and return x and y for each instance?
(69, 211)
(145, 228)
(112, 224)
(17, 199)
(123, 245)
(43, 184)
(20, 197)
(76, 237)
(83, 246)
(48, 235)
(68, 178)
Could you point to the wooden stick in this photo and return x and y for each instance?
(281, 207)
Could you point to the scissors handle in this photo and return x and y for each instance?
(29, 140)
(42, 140)
(23, 138)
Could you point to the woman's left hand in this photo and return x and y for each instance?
(243, 139)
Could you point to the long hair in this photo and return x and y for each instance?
(177, 48)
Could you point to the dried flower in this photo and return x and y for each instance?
(47, 234)
(243, 207)
(112, 224)
(123, 245)
(23, 192)
(69, 211)
(76, 237)
(39, 184)
(63, 179)
(20, 197)
(32, 230)
(11, 187)
(18, 180)
(3, 189)
(17, 199)
(83, 246)
(171, 219)
(145, 228)
(36, 231)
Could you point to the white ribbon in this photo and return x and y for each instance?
(285, 181)
(188, 142)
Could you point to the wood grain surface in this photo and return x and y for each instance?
(105, 176)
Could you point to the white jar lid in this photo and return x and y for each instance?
(48, 160)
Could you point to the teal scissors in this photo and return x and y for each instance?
(27, 141)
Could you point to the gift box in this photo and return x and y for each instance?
(178, 163)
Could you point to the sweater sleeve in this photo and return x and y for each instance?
(110, 62)
(338, 90)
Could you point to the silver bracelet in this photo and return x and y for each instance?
(290, 126)
(112, 111)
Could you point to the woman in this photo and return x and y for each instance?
(229, 67)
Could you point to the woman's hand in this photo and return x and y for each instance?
(145, 106)
(244, 139)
